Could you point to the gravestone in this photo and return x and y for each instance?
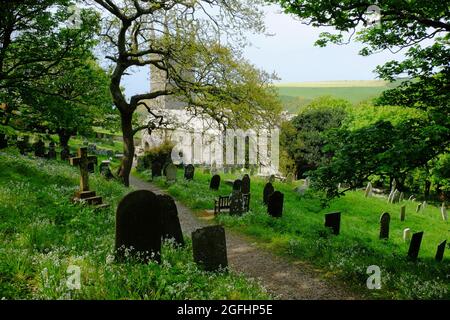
(245, 189)
(440, 251)
(3, 141)
(333, 221)
(268, 190)
(401, 197)
(39, 148)
(105, 169)
(170, 223)
(444, 213)
(418, 208)
(156, 169)
(209, 248)
(189, 172)
(424, 205)
(385, 220)
(237, 185)
(275, 204)
(236, 203)
(395, 196)
(407, 234)
(414, 246)
(51, 151)
(83, 161)
(411, 197)
(369, 190)
(402, 213)
(171, 172)
(65, 153)
(215, 182)
(139, 227)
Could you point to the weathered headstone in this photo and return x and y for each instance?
(209, 248)
(156, 169)
(268, 190)
(237, 185)
(401, 197)
(245, 189)
(236, 203)
(105, 169)
(82, 161)
(39, 148)
(411, 197)
(333, 221)
(215, 182)
(139, 227)
(414, 245)
(402, 213)
(369, 190)
(418, 208)
(440, 251)
(407, 234)
(189, 172)
(424, 205)
(275, 204)
(444, 213)
(65, 153)
(385, 220)
(395, 196)
(171, 172)
(51, 151)
(170, 223)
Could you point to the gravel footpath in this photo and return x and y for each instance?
(283, 279)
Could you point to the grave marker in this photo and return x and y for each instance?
(403, 213)
(156, 169)
(369, 190)
(189, 172)
(333, 221)
(407, 234)
(418, 208)
(171, 172)
(245, 189)
(82, 161)
(385, 219)
(414, 245)
(275, 204)
(210, 248)
(444, 213)
(170, 223)
(440, 251)
(237, 185)
(51, 151)
(39, 148)
(215, 182)
(139, 227)
(268, 190)
(236, 203)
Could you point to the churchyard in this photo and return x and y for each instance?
(300, 233)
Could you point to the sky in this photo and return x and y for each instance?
(291, 54)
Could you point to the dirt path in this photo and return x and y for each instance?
(283, 279)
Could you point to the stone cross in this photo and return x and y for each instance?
(83, 161)
(385, 219)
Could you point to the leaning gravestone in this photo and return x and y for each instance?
(403, 213)
(237, 185)
(369, 190)
(444, 213)
(215, 182)
(189, 172)
(401, 197)
(171, 172)
(245, 189)
(236, 203)
(385, 219)
(138, 227)
(407, 234)
(275, 204)
(419, 208)
(268, 190)
(414, 246)
(170, 224)
(209, 248)
(51, 154)
(156, 169)
(440, 251)
(333, 221)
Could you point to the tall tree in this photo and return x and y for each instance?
(195, 44)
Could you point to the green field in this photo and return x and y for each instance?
(300, 234)
(42, 233)
(296, 95)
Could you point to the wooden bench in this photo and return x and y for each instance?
(223, 203)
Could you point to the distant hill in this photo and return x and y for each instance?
(296, 95)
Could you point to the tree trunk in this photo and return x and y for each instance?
(128, 149)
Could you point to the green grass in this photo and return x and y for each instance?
(300, 234)
(42, 233)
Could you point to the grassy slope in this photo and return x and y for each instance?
(300, 234)
(42, 233)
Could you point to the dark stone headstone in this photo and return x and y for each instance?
(236, 203)
(3, 141)
(51, 151)
(209, 247)
(333, 221)
(189, 172)
(171, 172)
(275, 204)
(403, 213)
(138, 226)
(39, 149)
(215, 182)
(156, 169)
(440, 251)
(268, 190)
(237, 185)
(414, 245)
(245, 189)
(171, 228)
(105, 170)
(385, 219)
(65, 153)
